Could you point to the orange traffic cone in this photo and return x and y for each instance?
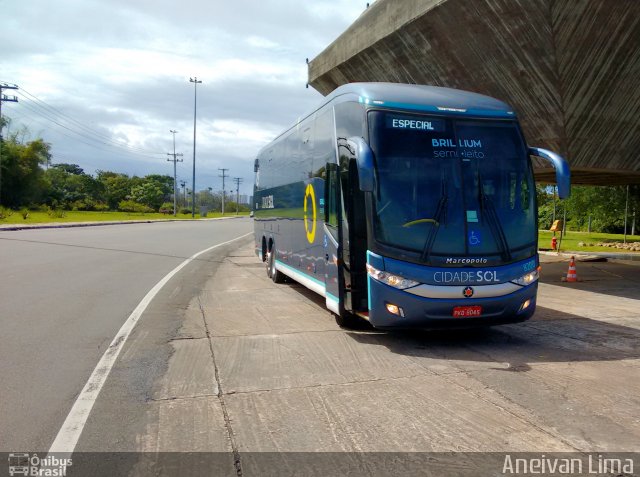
(572, 275)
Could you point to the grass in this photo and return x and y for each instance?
(82, 216)
(571, 239)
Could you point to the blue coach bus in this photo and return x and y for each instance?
(408, 206)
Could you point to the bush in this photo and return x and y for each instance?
(25, 214)
(166, 208)
(131, 206)
(185, 211)
(86, 204)
(56, 213)
(101, 207)
(5, 213)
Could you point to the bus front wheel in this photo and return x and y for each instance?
(348, 321)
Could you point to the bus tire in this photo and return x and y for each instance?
(348, 321)
(275, 275)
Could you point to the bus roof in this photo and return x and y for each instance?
(432, 99)
(424, 98)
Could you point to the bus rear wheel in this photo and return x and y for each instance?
(275, 275)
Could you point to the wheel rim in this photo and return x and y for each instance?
(268, 263)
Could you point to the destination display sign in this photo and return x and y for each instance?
(415, 124)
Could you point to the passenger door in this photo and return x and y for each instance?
(332, 239)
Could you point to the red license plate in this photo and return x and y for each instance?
(466, 311)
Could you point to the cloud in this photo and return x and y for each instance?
(121, 68)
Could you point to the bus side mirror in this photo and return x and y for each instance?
(364, 159)
(563, 174)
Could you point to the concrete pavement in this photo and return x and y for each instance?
(249, 366)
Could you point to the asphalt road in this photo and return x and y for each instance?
(64, 294)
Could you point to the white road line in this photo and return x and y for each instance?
(67, 438)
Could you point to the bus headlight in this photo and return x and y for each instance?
(390, 279)
(527, 279)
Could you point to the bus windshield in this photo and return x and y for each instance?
(451, 188)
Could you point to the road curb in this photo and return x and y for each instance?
(63, 225)
(593, 256)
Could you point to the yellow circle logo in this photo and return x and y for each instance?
(311, 231)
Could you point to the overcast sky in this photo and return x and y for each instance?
(117, 72)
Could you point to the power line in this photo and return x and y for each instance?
(79, 132)
(80, 137)
(64, 117)
(59, 115)
(95, 142)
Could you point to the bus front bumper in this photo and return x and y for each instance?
(432, 313)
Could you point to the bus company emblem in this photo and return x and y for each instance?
(310, 229)
(466, 261)
(467, 292)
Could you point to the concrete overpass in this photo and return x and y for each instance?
(570, 68)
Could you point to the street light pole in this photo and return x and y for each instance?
(195, 82)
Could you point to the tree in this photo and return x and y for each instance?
(71, 188)
(148, 193)
(545, 194)
(23, 180)
(604, 204)
(117, 187)
(152, 190)
(163, 181)
(74, 169)
(208, 198)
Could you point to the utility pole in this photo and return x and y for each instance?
(237, 180)
(184, 192)
(12, 99)
(175, 177)
(224, 175)
(195, 82)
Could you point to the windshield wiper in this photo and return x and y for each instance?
(441, 211)
(489, 211)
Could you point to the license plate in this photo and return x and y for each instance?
(466, 311)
